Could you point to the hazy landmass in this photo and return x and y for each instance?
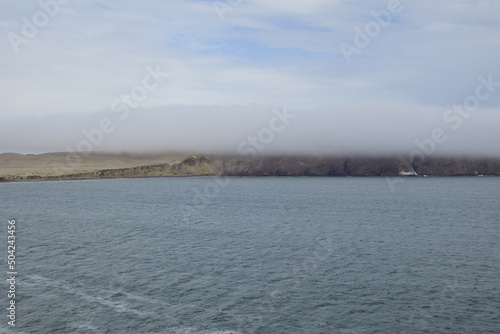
(67, 166)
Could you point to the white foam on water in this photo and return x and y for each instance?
(87, 327)
(139, 298)
(195, 331)
(61, 285)
(410, 173)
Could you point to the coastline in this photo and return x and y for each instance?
(227, 165)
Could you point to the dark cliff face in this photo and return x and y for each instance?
(277, 166)
(351, 166)
(464, 166)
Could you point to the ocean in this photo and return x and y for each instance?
(203, 255)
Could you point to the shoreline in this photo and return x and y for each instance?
(249, 176)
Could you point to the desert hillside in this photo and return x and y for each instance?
(51, 164)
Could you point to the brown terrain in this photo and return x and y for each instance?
(53, 164)
(61, 166)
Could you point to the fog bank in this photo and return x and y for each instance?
(361, 129)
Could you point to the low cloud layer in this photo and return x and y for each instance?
(366, 129)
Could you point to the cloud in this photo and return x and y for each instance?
(428, 58)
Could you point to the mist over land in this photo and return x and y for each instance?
(369, 129)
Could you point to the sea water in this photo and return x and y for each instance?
(254, 255)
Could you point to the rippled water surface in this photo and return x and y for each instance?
(256, 255)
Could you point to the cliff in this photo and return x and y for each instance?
(353, 166)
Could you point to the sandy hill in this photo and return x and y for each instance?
(62, 163)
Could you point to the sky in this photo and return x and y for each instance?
(202, 75)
